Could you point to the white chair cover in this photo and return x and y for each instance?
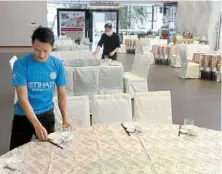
(144, 46)
(163, 41)
(68, 42)
(204, 48)
(153, 41)
(69, 77)
(57, 54)
(136, 80)
(144, 66)
(58, 42)
(191, 49)
(175, 58)
(153, 107)
(111, 79)
(136, 63)
(85, 54)
(69, 55)
(64, 47)
(78, 111)
(111, 108)
(188, 69)
(11, 62)
(86, 81)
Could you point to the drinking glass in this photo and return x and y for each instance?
(106, 58)
(188, 125)
(66, 132)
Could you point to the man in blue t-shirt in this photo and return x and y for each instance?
(35, 77)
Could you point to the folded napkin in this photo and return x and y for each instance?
(132, 127)
(62, 139)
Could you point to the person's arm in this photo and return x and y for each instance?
(117, 46)
(100, 44)
(62, 101)
(29, 112)
(20, 83)
(96, 51)
(62, 98)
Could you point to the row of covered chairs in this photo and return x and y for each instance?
(148, 107)
(71, 55)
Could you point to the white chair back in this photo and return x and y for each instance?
(153, 41)
(69, 77)
(111, 108)
(69, 55)
(204, 48)
(111, 79)
(191, 49)
(78, 111)
(86, 81)
(85, 54)
(144, 46)
(153, 107)
(136, 62)
(141, 64)
(68, 42)
(163, 41)
(12, 61)
(183, 55)
(64, 47)
(144, 65)
(58, 42)
(57, 54)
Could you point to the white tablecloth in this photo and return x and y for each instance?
(107, 149)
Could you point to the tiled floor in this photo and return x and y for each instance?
(198, 99)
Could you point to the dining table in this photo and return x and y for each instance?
(109, 149)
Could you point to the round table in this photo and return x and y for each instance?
(107, 149)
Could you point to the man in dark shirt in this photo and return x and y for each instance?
(110, 42)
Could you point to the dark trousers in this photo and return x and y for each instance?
(23, 130)
(110, 57)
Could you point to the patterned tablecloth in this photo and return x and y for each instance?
(211, 60)
(164, 51)
(184, 41)
(107, 149)
(131, 45)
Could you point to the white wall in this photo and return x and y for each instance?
(15, 20)
(199, 17)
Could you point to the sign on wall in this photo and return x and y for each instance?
(72, 23)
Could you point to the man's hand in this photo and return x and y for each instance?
(112, 53)
(41, 132)
(66, 124)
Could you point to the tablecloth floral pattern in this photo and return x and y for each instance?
(107, 149)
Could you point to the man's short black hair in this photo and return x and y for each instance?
(108, 25)
(43, 34)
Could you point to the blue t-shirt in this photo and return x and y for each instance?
(40, 79)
